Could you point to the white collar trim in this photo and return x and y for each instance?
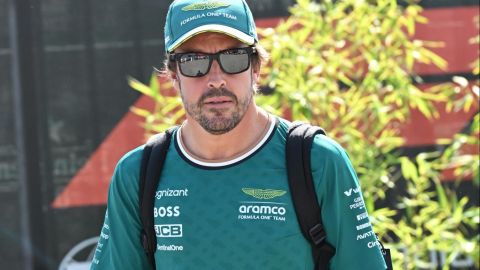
(228, 162)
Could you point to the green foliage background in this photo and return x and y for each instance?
(348, 66)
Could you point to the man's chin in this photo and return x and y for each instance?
(218, 125)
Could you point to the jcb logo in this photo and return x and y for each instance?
(169, 230)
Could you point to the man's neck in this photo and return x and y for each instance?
(214, 148)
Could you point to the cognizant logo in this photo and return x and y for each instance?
(171, 193)
(262, 210)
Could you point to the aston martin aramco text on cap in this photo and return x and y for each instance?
(187, 18)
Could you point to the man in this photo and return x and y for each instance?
(223, 201)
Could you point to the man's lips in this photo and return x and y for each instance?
(217, 100)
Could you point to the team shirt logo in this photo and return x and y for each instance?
(348, 193)
(170, 231)
(263, 194)
(171, 193)
(262, 208)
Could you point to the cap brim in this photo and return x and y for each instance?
(229, 31)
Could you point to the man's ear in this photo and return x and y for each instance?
(173, 75)
(174, 78)
(256, 72)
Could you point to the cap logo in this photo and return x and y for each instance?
(205, 5)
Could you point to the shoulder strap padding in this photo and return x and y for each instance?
(298, 149)
(153, 158)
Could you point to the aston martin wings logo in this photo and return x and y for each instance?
(263, 194)
(206, 5)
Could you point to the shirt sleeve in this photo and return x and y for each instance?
(119, 244)
(344, 215)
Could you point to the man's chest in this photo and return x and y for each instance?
(239, 213)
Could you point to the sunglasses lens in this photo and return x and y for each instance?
(194, 65)
(234, 61)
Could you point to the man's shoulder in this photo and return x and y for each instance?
(322, 144)
(328, 152)
(124, 184)
(130, 162)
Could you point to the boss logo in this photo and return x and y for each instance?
(169, 230)
(167, 211)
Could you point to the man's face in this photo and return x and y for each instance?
(217, 101)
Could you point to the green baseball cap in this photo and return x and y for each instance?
(187, 18)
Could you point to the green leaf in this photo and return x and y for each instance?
(409, 170)
(140, 112)
(140, 87)
(462, 81)
(442, 197)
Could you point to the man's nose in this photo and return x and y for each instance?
(216, 76)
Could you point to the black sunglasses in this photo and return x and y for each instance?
(231, 61)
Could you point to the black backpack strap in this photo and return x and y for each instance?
(300, 179)
(153, 158)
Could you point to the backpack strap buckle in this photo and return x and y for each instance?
(144, 240)
(148, 247)
(317, 234)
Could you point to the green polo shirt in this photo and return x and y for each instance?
(237, 214)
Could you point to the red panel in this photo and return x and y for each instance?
(422, 131)
(454, 27)
(90, 185)
(270, 22)
(449, 175)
